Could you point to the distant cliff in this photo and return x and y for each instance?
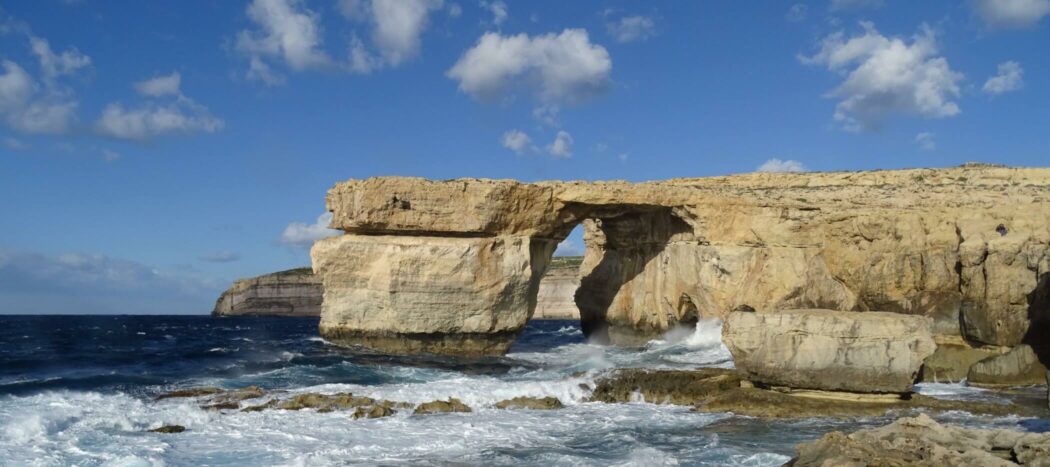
(557, 296)
(295, 292)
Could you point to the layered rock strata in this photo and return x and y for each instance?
(295, 292)
(869, 352)
(921, 441)
(459, 260)
(557, 295)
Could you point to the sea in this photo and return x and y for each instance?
(81, 390)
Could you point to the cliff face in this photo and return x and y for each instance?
(286, 293)
(556, 298)
(966, 247)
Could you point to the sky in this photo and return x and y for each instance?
(153, 152)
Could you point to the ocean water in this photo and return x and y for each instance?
(80, 391)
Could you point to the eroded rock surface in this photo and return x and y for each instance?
(965, 245)
(295, 292)
(556, 298)
(1020, 366)
(830, 350)
(921, 441)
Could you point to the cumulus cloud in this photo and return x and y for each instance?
(887, 75)
(397, 27)
(925, 141)
(220, 257)
(839, 5)
(562, 146)
(498, 10)
(777, 165)
(285, 30)
(631, 28)
(1011, 13)
(165, 85)
(569, 247)
(151, 119)
(44, 107)
(563, 67)
(1009, 78)
(516, 141)
(94, 283)
(302, 235)
(797, 12)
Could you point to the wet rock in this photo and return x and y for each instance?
(683, 387)
(1018, 367)
(325, 402)
(535, 403)
(921, 441)
(830, 350)
(953, 358)
(260, 407)
(228, 405)
(450, 405)
(191, 392)
(377, 411)
(764, 403)
(169, 429)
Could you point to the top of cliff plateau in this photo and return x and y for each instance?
(483, 207)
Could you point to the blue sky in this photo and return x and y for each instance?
(151, 152)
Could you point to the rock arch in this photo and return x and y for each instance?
(454, 266)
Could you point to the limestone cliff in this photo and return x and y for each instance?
(296, 292)
(441, 261)
(556, 298)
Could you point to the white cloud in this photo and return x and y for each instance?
(925, 141)
(839, 5)
(1010, 78)
(220, 257)
(563, 67)
(568, 247)
(301, 235)
(397, 27)
(885, 76)
(777, 165)
(110, 155)
(15, 145)
(797, 12)
(1011, 13)
(631, 28)
(94, 283)
(454, 10)
(562, 145)
(55, 65)
(29, 107)
(285, 30)
(160, 85)
(516, 141)
(152, 120)
(498, 9)
(547, 114)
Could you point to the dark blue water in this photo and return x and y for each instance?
(140, 354)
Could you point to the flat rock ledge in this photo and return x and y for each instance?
(921, 441)
(716, 390)
(869, 352)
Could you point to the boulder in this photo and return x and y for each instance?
(870, 352)
(169, 429)
(921, 441)
(683, 387)
(1018, 367)
(377, 411)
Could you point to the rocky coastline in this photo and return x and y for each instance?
(294, 292)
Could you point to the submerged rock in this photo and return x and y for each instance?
(683, 387)
(869, 352)
(325, 402)
(1018, 367)
(377, 411)
(535, 403)
(169, 429)
(450, 405)
(191, 392)
(921, 441)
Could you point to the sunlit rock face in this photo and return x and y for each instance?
(296, 292)
(436, 261)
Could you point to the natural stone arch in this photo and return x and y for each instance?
(454, 266)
